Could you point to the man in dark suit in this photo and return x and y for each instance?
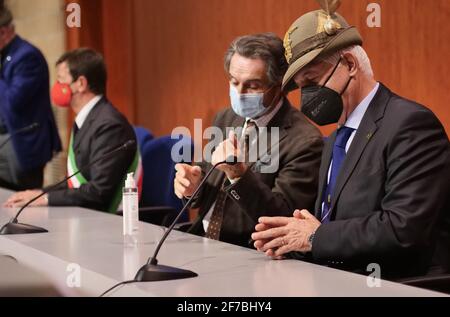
(24, 101)
(282, 176)
(384, 177)
(98, 129)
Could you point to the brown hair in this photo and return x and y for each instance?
(88, 63)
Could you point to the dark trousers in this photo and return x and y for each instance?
(12, 175)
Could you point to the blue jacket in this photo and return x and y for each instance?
(24, 100)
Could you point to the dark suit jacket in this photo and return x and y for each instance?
(24, 100)
(389, 201)
(104, 130)
(257, 194)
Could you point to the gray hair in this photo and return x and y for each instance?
(356, 50)
(265, 46)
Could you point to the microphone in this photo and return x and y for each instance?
(13, 227)
(152, 271)
(29, 128)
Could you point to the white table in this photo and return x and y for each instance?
(92, 241)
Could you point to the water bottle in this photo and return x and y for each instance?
(130, 201)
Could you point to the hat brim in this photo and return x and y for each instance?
(346, 38)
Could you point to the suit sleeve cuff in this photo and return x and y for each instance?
(322, 250)
(54, 198)
(238, 188)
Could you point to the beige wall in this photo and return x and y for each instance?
(41, 22)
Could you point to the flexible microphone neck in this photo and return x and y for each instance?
(28, 128)
(124, 146)
(153, 260)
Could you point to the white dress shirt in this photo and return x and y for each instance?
(84, 112)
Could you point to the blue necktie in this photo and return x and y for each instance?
(343, 134)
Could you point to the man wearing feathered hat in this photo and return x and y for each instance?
(385, 174)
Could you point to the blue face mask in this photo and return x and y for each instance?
(247, 105)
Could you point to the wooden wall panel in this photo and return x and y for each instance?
(106, 26)
(118, 49)
(180, 46)
(165, 57)
(180, 54)
(90, 34)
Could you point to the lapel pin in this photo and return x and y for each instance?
(369, 136)
(8, 58)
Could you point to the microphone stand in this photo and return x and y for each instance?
(14, 227)
(29, 128)
(152, 271)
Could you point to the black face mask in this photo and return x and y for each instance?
(321, 104)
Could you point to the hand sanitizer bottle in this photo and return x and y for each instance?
(130, 202)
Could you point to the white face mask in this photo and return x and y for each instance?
(247, 105)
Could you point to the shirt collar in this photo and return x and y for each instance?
(264, 120)
(355, 118)
(83, 114)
